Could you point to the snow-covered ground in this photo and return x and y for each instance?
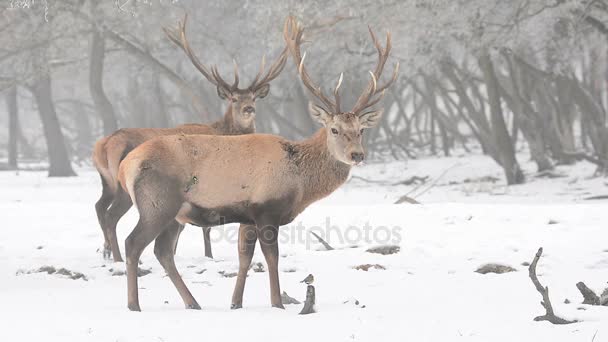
(428, 291)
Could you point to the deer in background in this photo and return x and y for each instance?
(261, 181)
(239, 118)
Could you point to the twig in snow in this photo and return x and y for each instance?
(544, 291)
(369, 180)
(323, 242)
(600, 197)
(406, 199)
(286, 299)
(432, 183)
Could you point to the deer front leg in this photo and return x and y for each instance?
(207, 236)
(268, 235)
(247, 238)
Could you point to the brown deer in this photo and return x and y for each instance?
(261, 181)
(239, 118)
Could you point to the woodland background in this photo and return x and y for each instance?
(477, 76)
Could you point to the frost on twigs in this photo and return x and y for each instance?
(544, 291)
(494, 268)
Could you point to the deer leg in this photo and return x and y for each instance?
(164, 249)
(121, 204)
(179, 232)
(207, 236)
(268, 236)
(101, 208)
(247, 238)
(135, 244)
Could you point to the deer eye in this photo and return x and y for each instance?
(334, 131)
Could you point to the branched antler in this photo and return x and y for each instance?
(293, 34)
(274, 71)
(366, 100)
(178, 37)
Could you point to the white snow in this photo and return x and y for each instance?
(428, 292)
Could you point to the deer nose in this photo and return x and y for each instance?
(249, 110)
(357, 157)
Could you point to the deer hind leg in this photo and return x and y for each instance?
(268, 235)
(247, 238)
(179, 233)
(207, 236)
(121, 204)
(164, 248)
(158, 201)
(101, 207)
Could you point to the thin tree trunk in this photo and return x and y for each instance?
(506, 152)
(103, 106)
(13, 127)
(59, 161)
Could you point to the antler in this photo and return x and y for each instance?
(273, 72)
(178, 37)
(293, 33)
(365, 100)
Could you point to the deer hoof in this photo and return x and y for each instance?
(236, 306)
(134, 307)
(278, 306)
(193, 306)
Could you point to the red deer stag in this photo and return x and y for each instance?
(261, 181)
(238, 119)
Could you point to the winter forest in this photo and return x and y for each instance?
(427, 170)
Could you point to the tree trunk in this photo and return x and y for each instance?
(59, 161)
(506, 152)
(103, 106)
(13, 127)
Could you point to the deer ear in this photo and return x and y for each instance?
(319, 113)
(223, 93)
(370, 119)
(262, 91)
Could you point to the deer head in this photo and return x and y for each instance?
(344, 128)
(241, 100)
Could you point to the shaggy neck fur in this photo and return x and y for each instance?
(321, 172)
(226, 125)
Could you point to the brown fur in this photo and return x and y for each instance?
(256, 179)
(109, 152)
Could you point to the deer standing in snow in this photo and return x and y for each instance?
(239, 118)
(261, 181)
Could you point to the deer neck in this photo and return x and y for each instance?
(320, 171)
(226, 125)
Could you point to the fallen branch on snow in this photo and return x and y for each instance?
(323, 242)
(590, 297)
(544, 291)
